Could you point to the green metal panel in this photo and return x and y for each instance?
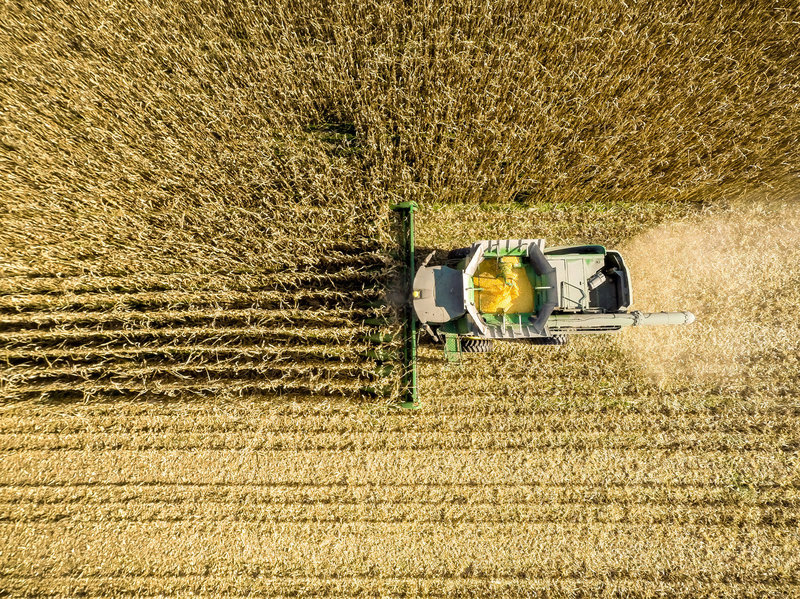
(504, 252)
(517, 318)
(452, 348)
(409, 391)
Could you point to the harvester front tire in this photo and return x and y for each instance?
(476, 346)
(554, 340)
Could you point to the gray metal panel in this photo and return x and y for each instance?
(572, 273)
(479, 248)
(512, 330)
(440, 291)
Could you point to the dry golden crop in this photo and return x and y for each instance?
(195, 238)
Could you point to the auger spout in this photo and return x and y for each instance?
(662, 318)
(604, 323)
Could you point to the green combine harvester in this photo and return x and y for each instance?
(515, 290)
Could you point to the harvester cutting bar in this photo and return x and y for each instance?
(408, 381)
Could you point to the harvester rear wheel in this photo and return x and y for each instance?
(476, 346)
(554, 340)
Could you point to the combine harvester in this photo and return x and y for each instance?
(512, 290)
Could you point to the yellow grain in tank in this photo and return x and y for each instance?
(504, 287)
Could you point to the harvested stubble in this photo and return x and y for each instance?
(195, 202)
(739, 271)
(476, 495)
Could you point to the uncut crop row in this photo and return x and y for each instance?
(282, 332)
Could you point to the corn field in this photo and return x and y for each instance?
(196, 248)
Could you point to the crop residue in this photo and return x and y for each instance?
(739, 272)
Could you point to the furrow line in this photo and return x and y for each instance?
(722, 499)
(332, 262)
(173, 353)
(237, 586)
(138, 337)
(171, 300)
(270, 568)
(206, 374)
(132, 319)
(432, 441)
(343, 279)
(647, 468)
(315, 419)
(153, 390)
(103, 371)
(725, 498)
(298, 485)
(434, 520)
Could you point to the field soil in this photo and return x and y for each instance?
(196, 244)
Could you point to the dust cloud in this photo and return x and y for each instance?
(738, 270)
